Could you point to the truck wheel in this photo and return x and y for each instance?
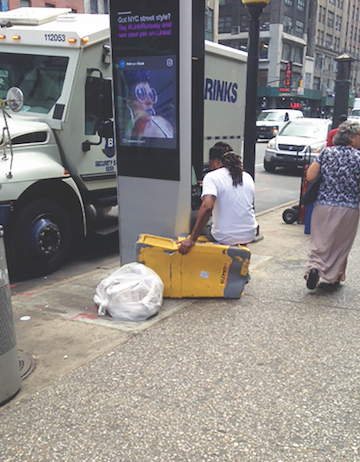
(290, 216)
(40, 239)
(269, 166)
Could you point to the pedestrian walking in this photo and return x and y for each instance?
(335, 215)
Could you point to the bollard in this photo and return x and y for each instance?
(10, 381)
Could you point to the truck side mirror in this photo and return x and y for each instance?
(98, 107)
(106, 129)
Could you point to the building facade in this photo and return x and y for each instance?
(211, 20)
(299, 43)
(77, 6)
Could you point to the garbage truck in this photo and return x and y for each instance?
(58, 178)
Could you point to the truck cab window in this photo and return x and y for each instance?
(41, 78)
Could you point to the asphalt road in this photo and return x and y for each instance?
(274, 189)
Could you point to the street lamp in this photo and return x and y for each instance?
(255, 8)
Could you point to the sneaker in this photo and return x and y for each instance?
(312, 279)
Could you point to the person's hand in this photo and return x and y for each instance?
(185, 246)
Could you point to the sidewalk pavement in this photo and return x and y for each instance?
(272, 377)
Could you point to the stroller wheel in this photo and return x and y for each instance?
(290, 216)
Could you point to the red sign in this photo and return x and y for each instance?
(288, 74)
(295, 106)
(287, 83)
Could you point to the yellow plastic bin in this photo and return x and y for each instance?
(209, 270)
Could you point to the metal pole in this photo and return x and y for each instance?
(342, 87)
(255, 11)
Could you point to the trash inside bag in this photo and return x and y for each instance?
(131, 293)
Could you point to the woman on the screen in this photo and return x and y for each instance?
(140, 101)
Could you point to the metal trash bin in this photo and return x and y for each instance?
(10, 381)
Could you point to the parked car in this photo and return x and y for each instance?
(298, 142)
(271, 121)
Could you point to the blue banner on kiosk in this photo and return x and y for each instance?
(145, 56)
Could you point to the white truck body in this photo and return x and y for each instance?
(224, 96)
(60, 180)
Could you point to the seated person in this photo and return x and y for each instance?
(227, 195)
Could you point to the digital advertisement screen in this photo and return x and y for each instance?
(145, 56)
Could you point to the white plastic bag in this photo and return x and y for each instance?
(133, 292)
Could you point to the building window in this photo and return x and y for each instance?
(322, 12)
(264, 48)
(224, 24)
(242, 45)
(93, 6)
(106, 6)
(330, 21)
(301, 5)
(262, 77)
(298, 55)
(337, 44)
(244, 23)
(338, 22)
(319, 61)
(209, 24)
(286, 52)
(265, 21)
(329, 40)
(288, 24)
(307, 80)
(25, 3)
(332, 2)
(340, 4)
(299, 28)
(288, 2)
(317, 83)
(322, 38)
(49, 5)
(296, 78)
(327, 62)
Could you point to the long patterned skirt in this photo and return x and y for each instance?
(333, 230)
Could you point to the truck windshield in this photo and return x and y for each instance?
(41, 79)
(271, 116)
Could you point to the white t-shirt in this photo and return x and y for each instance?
(233, 214)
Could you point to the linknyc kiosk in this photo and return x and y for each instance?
(158, 73)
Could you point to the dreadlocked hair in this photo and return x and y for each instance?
(230, 160)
